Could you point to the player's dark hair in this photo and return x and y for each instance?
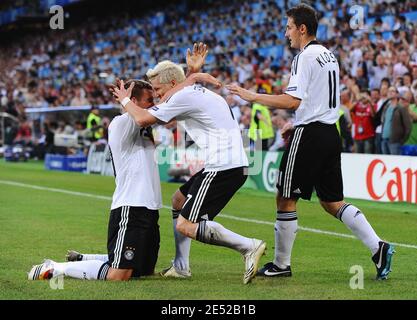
(304, 14)
(138, 88)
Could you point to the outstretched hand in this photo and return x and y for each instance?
(196, 57)
(243, 93)
(119, 91)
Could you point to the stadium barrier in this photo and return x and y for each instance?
(365, 176)
(99, 160)
(380, 177)
(76, 163)
(189, 161)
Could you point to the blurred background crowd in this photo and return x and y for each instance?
(376, 49)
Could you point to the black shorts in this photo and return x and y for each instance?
(208, 192)
(133, 239)
(312, 161)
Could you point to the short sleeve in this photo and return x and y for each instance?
(123, 126)
(178, 106)
(300, 76)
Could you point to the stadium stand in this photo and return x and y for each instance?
(74, 66)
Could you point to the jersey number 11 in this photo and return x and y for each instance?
(332, 89)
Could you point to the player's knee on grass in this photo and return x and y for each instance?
(119, 274)
(178, 200)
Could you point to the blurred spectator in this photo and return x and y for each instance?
(64, 127)
(261, 125)
(380, 26)
(49, 132)
(383, 97)
(363, 128)
(234, 107)
(10, 133)
(245, 120)
(413, 86)
(361, 79)
(386, 119)
(346, 121)
(377, 72)
(244, 69)
(396, 122)
(279, 120)
(79, 98)
(401, 123)
(24, 133)
(401, 67)
(412, 109)
(94, 124)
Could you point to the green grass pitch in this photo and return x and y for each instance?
(38, 223)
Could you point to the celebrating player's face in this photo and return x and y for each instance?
(293, 34)
(160, 88)
(146, 100)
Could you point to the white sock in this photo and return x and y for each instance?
(285, 232)
(88, 270)
(182, 248)
(356, 221)
(101, 257)
(214, 233)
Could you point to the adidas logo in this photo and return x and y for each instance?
(297, 191)
(357, 213)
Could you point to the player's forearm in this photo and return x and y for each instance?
(190, 71)
(282, 101)
(142, 117)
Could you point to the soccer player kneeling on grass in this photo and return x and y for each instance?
(133, 231)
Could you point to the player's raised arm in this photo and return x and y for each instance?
(141, 116)
(196, 58)
(282, 101)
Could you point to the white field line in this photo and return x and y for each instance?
(95, 196)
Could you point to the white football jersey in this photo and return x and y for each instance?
(136, 171)
(208, 120)
(315, 80)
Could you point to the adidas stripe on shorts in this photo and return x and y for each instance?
(133, 239)
(312, 161)
(208, 192)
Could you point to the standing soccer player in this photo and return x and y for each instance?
(209, 121)
(312, 159)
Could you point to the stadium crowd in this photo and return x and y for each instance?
(378, 60)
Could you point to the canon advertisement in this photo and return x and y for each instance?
(380, 177)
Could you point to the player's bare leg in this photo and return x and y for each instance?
(119, 274)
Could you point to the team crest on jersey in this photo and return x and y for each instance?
(129, 254)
